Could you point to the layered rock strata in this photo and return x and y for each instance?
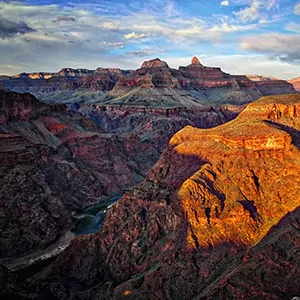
(217, 217)
(155, 80)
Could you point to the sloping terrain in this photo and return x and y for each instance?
(217, 217)
(55, 162)
(296, 83)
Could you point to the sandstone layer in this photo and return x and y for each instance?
(155, 84)
(216, 218)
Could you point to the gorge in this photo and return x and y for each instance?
(206, 164)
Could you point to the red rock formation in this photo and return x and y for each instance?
(47, 152)
(216, 218)
(296, 83)
(255, 77)
(195, 61)
(154, 63)
(51, 165)
(208, 84)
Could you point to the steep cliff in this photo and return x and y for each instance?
(55, 162)
(217, 217)
(296, 83)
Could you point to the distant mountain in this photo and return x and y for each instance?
(155, 84)
(296, 83)
(255, 77)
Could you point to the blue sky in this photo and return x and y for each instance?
(240, 36)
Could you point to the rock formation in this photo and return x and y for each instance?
(154, 63)
(255, 77)
(195, 61)
(200, 84)
(296, 83)
(46, 154)
(54, 161)
(216, 218)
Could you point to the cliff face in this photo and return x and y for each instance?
(54, 161)
(217, 217)
(296, 83)
(201, 85)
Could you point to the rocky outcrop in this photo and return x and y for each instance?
(296, 83)
(157, 125)
(154, 63)
(212, 219)
(202, 85)
(196, 61)
(198, 83)
(47, 152)
(255, 77)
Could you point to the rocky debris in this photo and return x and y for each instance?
(207, 223)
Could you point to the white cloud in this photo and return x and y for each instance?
(134, 35)
(224, 3)
(294, 27)
(225, 27)
(75, 36)
(251, 13)
(297, 9)
(275, 45)
(271, 3)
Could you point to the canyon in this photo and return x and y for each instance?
(204, 163)
(56, 162)
(217, 216)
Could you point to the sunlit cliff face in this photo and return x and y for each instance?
(249, 179)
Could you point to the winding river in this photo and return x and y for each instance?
(92, 218)
(89, 221)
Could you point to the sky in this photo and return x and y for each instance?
(240, 36)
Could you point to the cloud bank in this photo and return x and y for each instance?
(9, 29)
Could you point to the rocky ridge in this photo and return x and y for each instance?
(56, 161)
(46, 154)
(193, 85)
(217, 217)
(296, 83)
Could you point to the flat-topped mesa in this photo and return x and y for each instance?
(70, 72)
(273, 108)
(38, 75)
(154, 63)
(255, 77)
(263, 125)
(108, 70)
